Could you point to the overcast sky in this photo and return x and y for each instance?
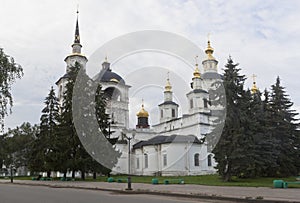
(262, 36)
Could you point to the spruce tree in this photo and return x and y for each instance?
(44, 149)
(285, 130)
(266, 147)
(90, 107)
(246, 155)
(67, 140)
(227, 152)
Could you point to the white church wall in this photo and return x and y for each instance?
(121, 166)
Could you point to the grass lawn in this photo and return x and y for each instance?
(213, 180)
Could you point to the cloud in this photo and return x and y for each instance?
(263, 36)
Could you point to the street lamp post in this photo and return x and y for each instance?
(129, 160)
(129, 177)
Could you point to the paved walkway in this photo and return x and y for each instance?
(284, 195)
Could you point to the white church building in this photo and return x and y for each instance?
(175, 145)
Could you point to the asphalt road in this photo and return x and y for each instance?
(35, 194)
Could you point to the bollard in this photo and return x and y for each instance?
(129, 183)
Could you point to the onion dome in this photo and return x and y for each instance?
(168, 87)
(209, 51)
(142, 113)
(107, 75)
(254, 88)
(197, 72)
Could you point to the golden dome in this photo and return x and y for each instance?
(197, 72)
(254, 88)
(142, 113)
(209, 51)
(168, 87)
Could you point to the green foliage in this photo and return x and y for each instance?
(74, 156)
(259, 138)
(285, 131)
(228, 152)
(9, 72)
(44, 150)
(17, 144)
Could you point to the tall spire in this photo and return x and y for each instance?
(76, 45)
(76, 55)
(77, 36)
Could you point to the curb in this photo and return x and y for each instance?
(171, 194)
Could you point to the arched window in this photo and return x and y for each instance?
(137, 163)
(196, 159)
(112, 93)
(209, 160)
(146, 160)
(165, 160)
(173, 113)
(205, 103)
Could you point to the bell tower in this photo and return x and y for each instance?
(75, 57)
(198, 98)
(168, 109)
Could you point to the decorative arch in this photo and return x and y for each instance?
(196, 160)
(209, 160)
(112, 93)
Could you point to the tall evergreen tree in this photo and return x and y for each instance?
(227, 151)
(90, 98)
(44, 149)
(285, 130)
(266, 147)
(67, 140)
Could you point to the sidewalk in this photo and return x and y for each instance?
(213, 192)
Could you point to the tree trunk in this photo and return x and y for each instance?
(94, 175)
(82, 175)
(65, 175)
(73, 174)
(48, 174)
(227, 175)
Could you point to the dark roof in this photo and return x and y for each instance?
(162, 139)
(211, 75)
(199, 91)
(64, 76)
(106, 75)
(168, 102)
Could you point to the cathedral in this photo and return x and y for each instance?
(175, 145)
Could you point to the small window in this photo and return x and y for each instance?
(161, 113)
(209, 160)
(146, 160)
(205, 103)
(137, 163)
(173, 113)
(165, 160)
(196, 159)
(191, 103)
